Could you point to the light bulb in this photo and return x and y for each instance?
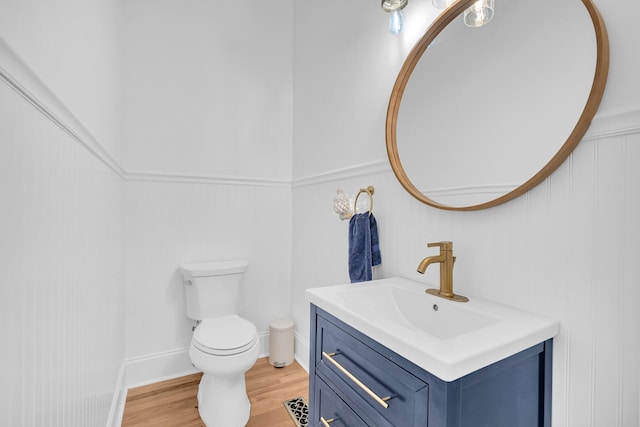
(479, 13)
(396, 22)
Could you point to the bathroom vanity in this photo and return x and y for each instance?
(371, 367)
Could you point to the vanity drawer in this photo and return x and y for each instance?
(369, 382)
(333, 410)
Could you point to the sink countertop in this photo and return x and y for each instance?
(448, 339)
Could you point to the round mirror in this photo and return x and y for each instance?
(479, 116)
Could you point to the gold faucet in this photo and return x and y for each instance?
(446, 261)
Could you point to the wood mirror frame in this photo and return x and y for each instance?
(583, 123)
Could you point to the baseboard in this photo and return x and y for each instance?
(264, 344)
(153, 368)
(116, 412)
(301, 352)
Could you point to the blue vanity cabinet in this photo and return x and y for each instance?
(355, 381)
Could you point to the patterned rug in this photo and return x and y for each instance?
(298, 410)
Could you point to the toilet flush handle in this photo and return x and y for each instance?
(188, 282)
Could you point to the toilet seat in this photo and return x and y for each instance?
(225, 335)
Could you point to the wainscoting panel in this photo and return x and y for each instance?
(61, 298)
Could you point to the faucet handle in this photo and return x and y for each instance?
(444, 246)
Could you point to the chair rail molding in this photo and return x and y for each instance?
(17, 75)
(605, 124)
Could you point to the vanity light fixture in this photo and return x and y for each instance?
(477, 15)
(396, 20)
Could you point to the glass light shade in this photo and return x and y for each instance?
(479, 13)
(396, 22)
(441, 4)
(393, 5)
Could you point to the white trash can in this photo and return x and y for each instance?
(281, 342)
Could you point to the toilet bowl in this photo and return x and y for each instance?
(224, 349)
(224, 345)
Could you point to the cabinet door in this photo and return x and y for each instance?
(373, 385)
(333, 410)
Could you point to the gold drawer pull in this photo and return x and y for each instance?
(380, 400)
(326, 423)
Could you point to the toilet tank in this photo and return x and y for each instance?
(212, 289)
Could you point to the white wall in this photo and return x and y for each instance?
(171, 223)
(203, 173)
(209, 88)
(567, 249)
(62, 294)
(208, 126)
(74, 46)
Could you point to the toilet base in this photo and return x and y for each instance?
(223, 401)
(222, 393)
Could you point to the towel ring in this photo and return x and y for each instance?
(369, 190)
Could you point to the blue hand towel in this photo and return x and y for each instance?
(364, 247)
(376, 258)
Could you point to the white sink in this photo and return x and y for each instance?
(448, 339)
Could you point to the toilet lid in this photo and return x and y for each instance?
(225, 335)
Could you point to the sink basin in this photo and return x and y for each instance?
(407, 306)
(448, 339)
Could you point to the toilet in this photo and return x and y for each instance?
(224, 345)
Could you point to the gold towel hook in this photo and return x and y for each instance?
(369, 190)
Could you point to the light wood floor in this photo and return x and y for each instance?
(174, 403)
